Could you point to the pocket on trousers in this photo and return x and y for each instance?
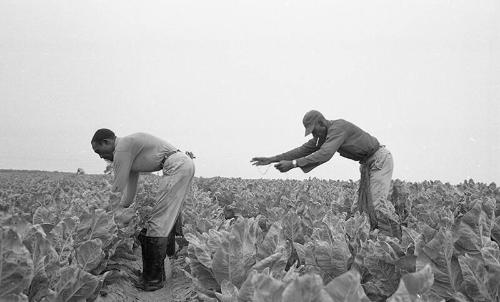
(379, 162)
(170, 168)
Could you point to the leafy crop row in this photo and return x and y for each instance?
(62, 251)
(255, 240)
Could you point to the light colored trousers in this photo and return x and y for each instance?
(381, 166)
(178, 172)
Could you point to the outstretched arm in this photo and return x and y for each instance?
(304, 150)
(121, 164)
(126, 182)
(309, 147)
(333, 142)
(131, 189)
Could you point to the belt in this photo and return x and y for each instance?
(168, 154)
(364, 160)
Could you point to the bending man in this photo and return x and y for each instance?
(353, 143)
(141, 152)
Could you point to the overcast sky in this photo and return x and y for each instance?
(231, 79)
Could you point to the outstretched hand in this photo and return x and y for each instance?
(284, 165)
(124, 215)
(261, 161)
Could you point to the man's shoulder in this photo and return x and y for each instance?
(342, 125)
(126, 142)
(138, 136)
(340, 121)
(339, 124)
(142, 139)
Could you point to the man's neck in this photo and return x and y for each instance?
(117, 139)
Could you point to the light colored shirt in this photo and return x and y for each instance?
(135, 153)
(342, 136)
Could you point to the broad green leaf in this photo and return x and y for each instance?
(203, 275)
(335, 223)
(380, 261)
(328, 252)
(271, 261)
(16, 266)
(330, 258)
(267, 288)
(307, 288)
(491, 253)
(301, 251)
(213, 239)
(387, 221)
(313, 214)
(480, 282)
(45, 261)
(206, 298)
(347, 288)
(198, 249)
(96, 224)
(245, 293)
(272, 241)
(292, 274)
(438, 252)
(14, 298)
(247, 232)
(475, 225)
(43, 215)
(409, 238)
(40, 247)
(413, 286)
(90, 254)
(121, 248)
(495, 231)
(229, 292)
(61, 237)
(357, 229)
(75, 285)
(237, 254)
(292, 227)
(17, 223)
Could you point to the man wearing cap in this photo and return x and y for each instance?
(141, 152)
(330, 136)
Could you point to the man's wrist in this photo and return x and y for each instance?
(294, 163)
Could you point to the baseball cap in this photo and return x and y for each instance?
(310, 119)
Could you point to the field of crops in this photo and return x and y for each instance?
(250, 240)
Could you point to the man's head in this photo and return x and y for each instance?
(103, 143)
(315, 123)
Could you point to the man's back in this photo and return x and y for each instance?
(357, 144)
(145, 152)
(138, 152)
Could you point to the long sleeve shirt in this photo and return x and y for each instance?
(135, 153)
(343, 137)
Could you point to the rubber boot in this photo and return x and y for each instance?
(176, 231)
(145, 263)
(171, 244)
(153, 256)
